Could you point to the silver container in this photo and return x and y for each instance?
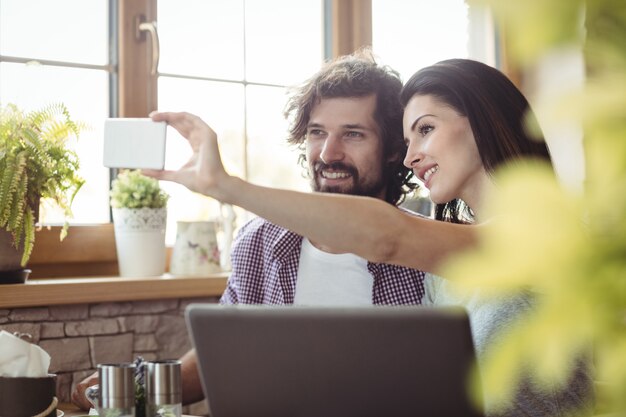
(163, 388)
(117, 388)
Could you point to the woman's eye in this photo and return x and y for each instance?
(353, 134)
(425, 129)
(314, 132)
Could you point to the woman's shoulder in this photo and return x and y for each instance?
(442, 291)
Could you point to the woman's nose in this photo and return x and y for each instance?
(413, 155)
(332, 150)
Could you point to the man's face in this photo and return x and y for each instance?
(344, 149)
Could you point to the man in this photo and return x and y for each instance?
(347, 120)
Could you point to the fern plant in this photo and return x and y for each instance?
(35, 163)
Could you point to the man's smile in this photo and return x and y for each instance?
(334, 175)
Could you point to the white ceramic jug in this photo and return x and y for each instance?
(196, 251)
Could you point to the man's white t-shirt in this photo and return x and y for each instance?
(327, 279)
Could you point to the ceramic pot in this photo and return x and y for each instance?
(140, 241)
(11, 272)
(196, 251)
(27, 397)
(9, 256)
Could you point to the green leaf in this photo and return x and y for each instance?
(36, 163)
(132, 190)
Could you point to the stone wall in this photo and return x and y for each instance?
(79, 337)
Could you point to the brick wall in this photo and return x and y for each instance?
(79, 337)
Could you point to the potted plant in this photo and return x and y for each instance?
(139, 217)
(35, 163)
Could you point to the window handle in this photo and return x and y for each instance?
(150, 27)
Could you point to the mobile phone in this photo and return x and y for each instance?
(134, 143)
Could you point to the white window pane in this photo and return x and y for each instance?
(61, 30)
(221, 105)
(201, 38)
(284, 40)
(85, 93)
(271, 160)
(409, 35)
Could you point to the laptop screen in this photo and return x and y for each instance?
(266, 361)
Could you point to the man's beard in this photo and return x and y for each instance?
(369, 189)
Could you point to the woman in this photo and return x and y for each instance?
(462, 120)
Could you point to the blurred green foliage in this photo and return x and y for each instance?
(133, 190)
(570, 248)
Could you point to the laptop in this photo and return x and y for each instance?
(268, 361)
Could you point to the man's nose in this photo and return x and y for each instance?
(332, 150)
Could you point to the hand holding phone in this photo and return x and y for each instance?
(135, 143)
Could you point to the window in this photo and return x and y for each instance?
(224, 60)
(230, 63)
(52, 56)
(411, 35)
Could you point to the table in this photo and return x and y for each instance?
(71, 410)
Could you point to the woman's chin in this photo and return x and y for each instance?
(437, 198)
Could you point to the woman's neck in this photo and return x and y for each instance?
(474, 195)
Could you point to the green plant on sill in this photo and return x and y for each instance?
(132, 190)
(35, 162)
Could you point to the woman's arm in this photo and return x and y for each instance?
(368, 227)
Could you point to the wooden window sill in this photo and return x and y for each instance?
(45, 292)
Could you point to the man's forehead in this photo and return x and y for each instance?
(347, 112)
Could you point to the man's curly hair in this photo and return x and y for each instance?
(357, 75)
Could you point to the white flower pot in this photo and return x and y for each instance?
(140, 241)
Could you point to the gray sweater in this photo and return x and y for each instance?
(488, 316)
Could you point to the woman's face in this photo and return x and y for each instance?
(442, 151)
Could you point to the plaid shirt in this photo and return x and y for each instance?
(265, 261)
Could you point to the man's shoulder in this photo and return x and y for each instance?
(259, 231)
(391, 270)
(259, 225)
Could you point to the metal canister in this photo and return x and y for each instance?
(117, 389)
(163, 388)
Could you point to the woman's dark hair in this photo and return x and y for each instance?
(358, 75)
(498, 113)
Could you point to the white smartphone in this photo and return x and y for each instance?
(134, 143)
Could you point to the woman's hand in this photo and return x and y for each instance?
(204, 172)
